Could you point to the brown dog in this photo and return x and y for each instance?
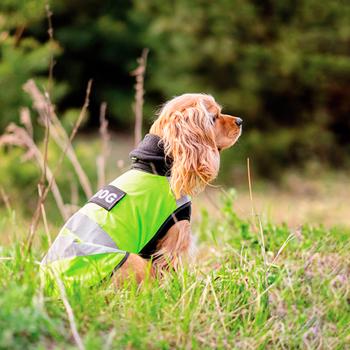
(193, 131)
(140, 223)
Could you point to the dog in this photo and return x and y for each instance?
(139, 224)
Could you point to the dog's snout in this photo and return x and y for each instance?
(239, 121)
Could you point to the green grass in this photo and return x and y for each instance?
(231, 297)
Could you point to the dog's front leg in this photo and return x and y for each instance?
(175, 246)
(134, 267)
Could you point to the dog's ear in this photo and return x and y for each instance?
(189, 140)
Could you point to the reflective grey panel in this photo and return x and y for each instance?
(89, 231)
(80, 236)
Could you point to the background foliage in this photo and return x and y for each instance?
(283, 66)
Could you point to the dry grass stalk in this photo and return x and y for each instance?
(74, 199)
(18, 136)
(46, 148)
(110, 337)
(5, 199)
(26, 121)
(256, 216)
(218, 307)
(102, 158)
(73, 205)
(58, 133)
(51, 39)
(18, 34)
(77, 124)
(69, 311)
(43, 214)
(139, 73)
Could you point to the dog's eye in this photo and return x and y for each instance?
(214, 117)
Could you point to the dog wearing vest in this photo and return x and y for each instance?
(139, 224)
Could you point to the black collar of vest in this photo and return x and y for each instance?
(149, 156)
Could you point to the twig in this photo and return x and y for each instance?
(51, 39)
(250, 187)
(36, 216)
(43, 214)
(6, 200)
(58, 134)
(102, 158)
(139, 73)
(46, 146)
(74, 199)
(69, 311)
(26, 120)
(18, 34)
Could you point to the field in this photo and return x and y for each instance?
(82, 81)
(255, 283)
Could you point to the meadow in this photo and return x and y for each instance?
(272, 268)
(253, 285)
(266, 274)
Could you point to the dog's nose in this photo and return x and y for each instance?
(238, 121)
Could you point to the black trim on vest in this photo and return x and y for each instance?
(182, 213)
(116, 268)
(120, 264)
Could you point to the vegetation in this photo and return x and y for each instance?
(282, 66)
(248, 289)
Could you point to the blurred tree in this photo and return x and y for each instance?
(282, 65)
(21, 56)
(101, 44)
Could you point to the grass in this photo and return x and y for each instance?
(293, 294)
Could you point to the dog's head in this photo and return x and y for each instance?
(194, 131)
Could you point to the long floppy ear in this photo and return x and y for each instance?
(189, 140)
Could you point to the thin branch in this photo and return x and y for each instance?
(26, 120)
(102, 158)
(43, 214)
(5, 199)
(46, 145)
(250, 187)
(36, 216)
(58, 134)
(139, 73)
(18, 34)
(51, 39)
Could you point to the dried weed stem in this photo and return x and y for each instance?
(139, 73)
(102, 158)
(59, 135)
(36, 216)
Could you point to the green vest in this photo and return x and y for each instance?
(127, 216)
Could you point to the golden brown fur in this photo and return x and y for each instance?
(193, 131)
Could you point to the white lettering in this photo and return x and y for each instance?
(103, 194)
(111, 198)
(97, 194)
